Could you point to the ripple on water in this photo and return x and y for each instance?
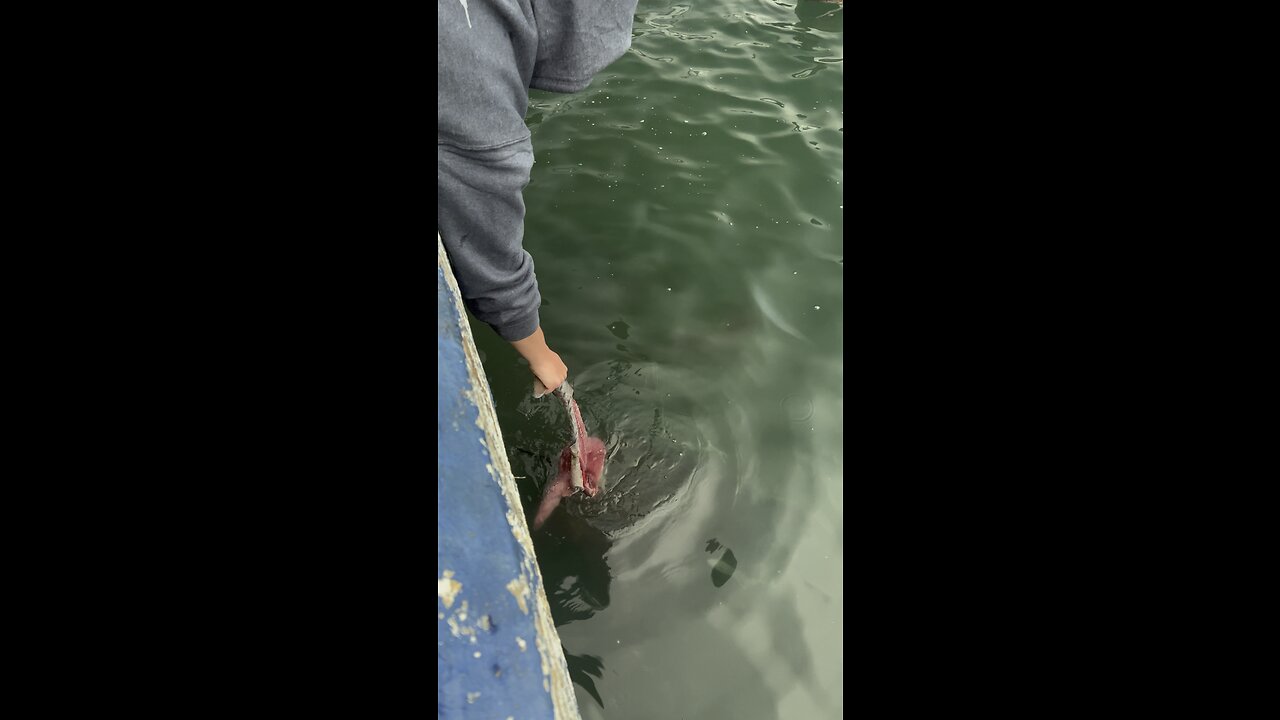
(654, 446)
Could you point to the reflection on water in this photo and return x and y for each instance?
(581, 670)
(685, 217)
(723, 569)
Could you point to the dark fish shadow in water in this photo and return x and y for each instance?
(576, 576)
(575, 572)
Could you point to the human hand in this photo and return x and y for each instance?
(550, 371)
(546, 365)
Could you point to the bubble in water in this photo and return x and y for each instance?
(798, 409)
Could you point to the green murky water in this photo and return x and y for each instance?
(685, 217)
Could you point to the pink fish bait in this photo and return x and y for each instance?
(581, 463)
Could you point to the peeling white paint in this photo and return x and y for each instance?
(545, 658)
(520, 641)
(456, 625)
(520, 589)
(448, 588)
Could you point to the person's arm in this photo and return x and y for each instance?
(481, 219)
(484, 156)
(543, 361)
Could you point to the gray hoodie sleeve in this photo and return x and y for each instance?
(484, 157)
(481, 221)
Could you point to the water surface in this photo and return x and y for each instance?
(685, 216)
